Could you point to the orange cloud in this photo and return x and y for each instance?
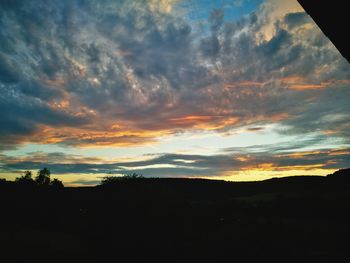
(244, 84)
(308, 86)
(84, 137)
(242, 158)
(191, 119)
(339, 152)
(301, 83)
(275, 167)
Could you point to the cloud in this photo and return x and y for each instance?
(297, 19)
(88, 73)
(230, 162)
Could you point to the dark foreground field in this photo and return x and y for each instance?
(296, 219)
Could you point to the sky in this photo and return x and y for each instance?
(238, 90)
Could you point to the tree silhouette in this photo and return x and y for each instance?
(25, 179)
(107, 180)
(55, 183)
(43, 177)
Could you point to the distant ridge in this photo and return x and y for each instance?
(341, 173)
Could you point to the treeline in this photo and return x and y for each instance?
(42, 179)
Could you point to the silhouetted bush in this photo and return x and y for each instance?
(25, 179)
(109, 180)
(132, 176)
(57, 184)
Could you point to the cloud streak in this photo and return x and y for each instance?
(228, 163)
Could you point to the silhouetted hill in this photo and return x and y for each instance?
(340, 177)
(341, 173)
(293, 219)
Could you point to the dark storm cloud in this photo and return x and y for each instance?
(120, 72)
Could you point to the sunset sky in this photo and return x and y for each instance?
(236, 90)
